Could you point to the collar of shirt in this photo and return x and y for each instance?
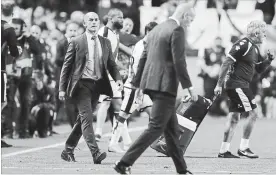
(89, 35)
(178, 23)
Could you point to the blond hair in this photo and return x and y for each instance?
(255, 27)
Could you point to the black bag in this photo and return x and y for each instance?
(189, 115)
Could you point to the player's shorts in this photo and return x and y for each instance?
(116, 93)
(129, 105)
(3, 87)
(241, 100)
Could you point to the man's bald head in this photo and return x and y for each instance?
(91, 22)
(36, 32)
(185, 14)
(71, 29)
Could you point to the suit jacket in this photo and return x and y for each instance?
(62, 46)
(75, 61)
(162, 64)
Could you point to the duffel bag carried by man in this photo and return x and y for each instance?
(189, 115)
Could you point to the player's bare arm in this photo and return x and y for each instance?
(224, 69)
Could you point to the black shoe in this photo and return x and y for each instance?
(247, 153)
(227, 154)
(5, 145)
(185, 172)
(68, 156)
(119, 168)
(98, 137)
(99, 157)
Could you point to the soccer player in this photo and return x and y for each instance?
(242, 61)
(129, 104)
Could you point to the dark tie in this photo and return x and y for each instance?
(96, 66)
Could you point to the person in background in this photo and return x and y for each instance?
(62, 46)
(8, 45)
(241, 63)
(111, 32)
(127, 26)
(210, 65)
(268, 9)
(42, 108)
(24, 65)
(127, 42)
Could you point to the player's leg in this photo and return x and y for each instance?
(248, 126)
(101, 115)
(122, 111)
(232, 120)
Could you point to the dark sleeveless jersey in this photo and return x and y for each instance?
(246, 56)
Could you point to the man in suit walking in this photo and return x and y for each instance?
(161, 67)
(83, 78)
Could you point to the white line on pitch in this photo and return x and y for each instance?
(62, 144)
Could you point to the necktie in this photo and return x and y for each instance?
(95, 64)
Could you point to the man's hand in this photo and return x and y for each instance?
(61, 95)
(35, 110)
(120, 85)
(194, 96)
(218, 90)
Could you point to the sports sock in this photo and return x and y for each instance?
(125, 134)
(225, 146)
(244, 144)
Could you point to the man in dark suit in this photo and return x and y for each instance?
(62, 45)
(161, 67)
(83, 78)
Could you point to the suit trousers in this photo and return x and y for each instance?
(86, 97)
(163, 119)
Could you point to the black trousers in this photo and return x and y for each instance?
(41, 122)
(163, 119)
(86, 97)
(71, 111)
(24, 85)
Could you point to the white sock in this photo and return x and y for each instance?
(125, 135)
(116, 133)
(225, 146)
(244, 144)
(101, 116)
(99, 131)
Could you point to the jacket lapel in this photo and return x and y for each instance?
(84, 38)
(104, 53)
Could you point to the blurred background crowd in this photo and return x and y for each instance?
(42, 24)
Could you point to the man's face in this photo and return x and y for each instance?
(261, 36)
(72, 30)
(92, 22)
(36, 32)
(118, 21)
(128, 26)
(17, 29)
(187, 18)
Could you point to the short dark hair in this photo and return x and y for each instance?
(7, 8)
(150, 26)
(19, 21)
